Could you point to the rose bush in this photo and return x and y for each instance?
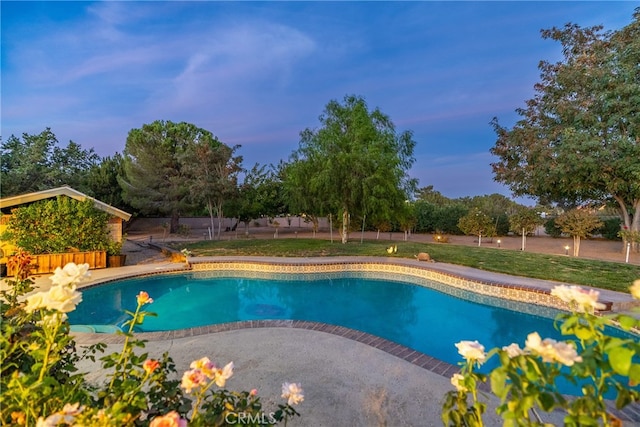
(597, 363)
(41, 385)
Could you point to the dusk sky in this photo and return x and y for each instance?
(258, 73)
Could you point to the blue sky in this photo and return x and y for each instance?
(258, 73)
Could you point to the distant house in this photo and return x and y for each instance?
(116, 219)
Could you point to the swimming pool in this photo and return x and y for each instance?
(413, 315)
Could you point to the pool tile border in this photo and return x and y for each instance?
(453, 284)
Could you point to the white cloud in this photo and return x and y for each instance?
(228, 62)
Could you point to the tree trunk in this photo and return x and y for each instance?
(213, 227)
(576, 246)
(220, 215)
(345, 226)
(175, 222)
(635, 224)
(631, 222)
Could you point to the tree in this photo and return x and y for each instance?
(477, 223)
(578, 223)
(103, 181)
(429, 194)
(302, 195)
(37, 162)
(260, 194)
(212, 170)
(155, 180)
(578, 138)
(524, 221)
(355, 161)
(497, 206)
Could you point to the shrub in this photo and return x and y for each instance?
(610, 229)
(551, 228)
(431, 217)
(526, 379)
(59, 225)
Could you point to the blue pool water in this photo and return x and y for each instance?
(415, 316)
(418, 316)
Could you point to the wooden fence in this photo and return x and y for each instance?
(47, 263)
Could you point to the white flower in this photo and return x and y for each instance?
(65, 417)
(52, 320)
(551, 350)
(471, 351)
(456, 381)
(635, 289)
(36, 301)
(222, 375)
(293, 392)
(70, 273)
(63, 298)
(513, 350)
(581, 299)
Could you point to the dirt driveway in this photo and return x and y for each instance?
(599, 249)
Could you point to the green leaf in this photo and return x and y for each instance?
(546, 401)
(620, 359)
(583, 333)
(627, 322)
(634, 374)
(498, 382)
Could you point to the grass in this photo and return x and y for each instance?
(598, 274)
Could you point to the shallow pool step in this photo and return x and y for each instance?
(95, 329)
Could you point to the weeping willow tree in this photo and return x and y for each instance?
(355, 164)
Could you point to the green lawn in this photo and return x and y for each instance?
(599, 274)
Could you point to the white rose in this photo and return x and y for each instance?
(471, 351)
(70, 273)
(36, 301)
(63, 298)
(513, 350)
(456, 381)
(581, 300)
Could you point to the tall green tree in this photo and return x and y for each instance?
(429, 194)
(38, 162)
(155, 180)
(355, 161)
(103, 181)
(303, 197)
(212, 169)
(578, 139)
